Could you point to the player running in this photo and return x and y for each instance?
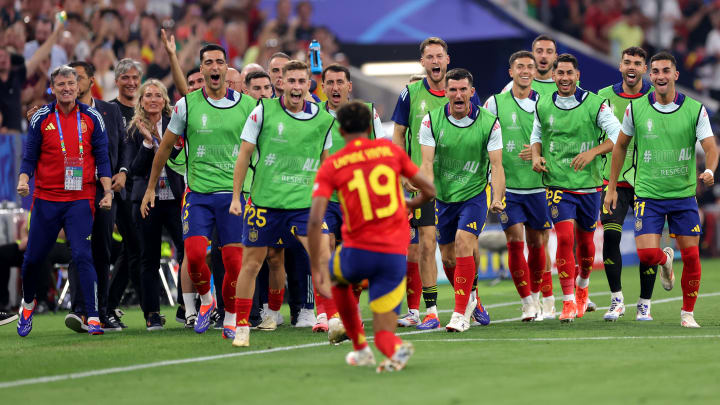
(460, 142)
(292, 137)
(632, 67)
(567, 129)
(415, 101)
(668, 125)
(525, 206)
(209, 119)
(366, 174)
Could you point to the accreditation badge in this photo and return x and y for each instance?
(73, 173)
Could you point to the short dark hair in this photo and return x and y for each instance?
(565, 57)
(337, 68)
(459, 74)
(543, 37)
(354, 117)
(521, 54)
(87, 66)
(256, 75)
(212, 47)
(295, 65)
(278, 55)
(432, 41)
(664, 56)
(635, 51)
(191, 72)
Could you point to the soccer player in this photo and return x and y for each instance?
(67, 144)
(366, 174)
(544, 49)
(666, 125)
(567, 128)
(249, 68)
(337, 85)
(234, 79)
(257, 85)
(275, 66)
(292, 137)
(209, 119)
(525, 206)
(460, 142)
(416, 100)
(632, 68)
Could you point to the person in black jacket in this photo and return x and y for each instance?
(152, 115)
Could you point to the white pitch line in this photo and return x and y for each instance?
(560, 339)
(115, 370)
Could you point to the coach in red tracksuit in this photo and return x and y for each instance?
(67, 147)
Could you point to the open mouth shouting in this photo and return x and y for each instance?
(565, 86)
(661, 85)
(296, 96)
(631, 77)
(336, 97)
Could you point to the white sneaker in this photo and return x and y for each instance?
(548, 307)
(364, 357)
(457, 323)
(591, 306)
(399, 360)
(529, 312)
(687, 320)
(470, 307)
(616, 310)
(643, 312)
(242, 337)
(667, 277)
(539, 317)
(306, 318)
(412, 318)
(269, 323)
(336, 331)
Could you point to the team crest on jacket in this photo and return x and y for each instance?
(83, 127)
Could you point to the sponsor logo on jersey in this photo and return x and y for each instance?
(650, 125)
(50, 127)
(203, 120)
(696, 228)
(280, 138)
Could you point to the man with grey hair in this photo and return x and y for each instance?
(250, 67)
(128, 73)
(66, 140)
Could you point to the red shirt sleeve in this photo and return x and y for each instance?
(323, 186)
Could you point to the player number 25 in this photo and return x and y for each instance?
(389, 188)
(255, 216)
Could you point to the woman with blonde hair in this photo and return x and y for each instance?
(152, 115)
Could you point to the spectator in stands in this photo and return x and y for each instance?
(302, 28)
(152, 115)
(626, 32)
(600, 15)
(662, 15)
(712, 47)
(43, 30)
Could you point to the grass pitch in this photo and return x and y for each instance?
(588, 361)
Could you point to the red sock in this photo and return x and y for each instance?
(242, 309)
(586, 252)
(195, 251)
(546, 287)
(329, 305)
(387, 342)
(414, 285)
(464, 275)
(565, 258)
(519, 268)
(348, 309)
(319, 303)
(232, 260)
(536, 263)
(275, 298)
(652, 256)
(449, 273)
(690, 280)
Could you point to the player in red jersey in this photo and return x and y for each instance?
(366, 175)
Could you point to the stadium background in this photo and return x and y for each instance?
(379, 41)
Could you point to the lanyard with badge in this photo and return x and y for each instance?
(73, 165)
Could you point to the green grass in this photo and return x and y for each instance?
(495, 364)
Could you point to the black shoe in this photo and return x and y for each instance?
(154, 322)
(190, 321)
(77, 322)
(6, 318)
(180, 314)
(217, 317)
(116, 315)
(110, 324)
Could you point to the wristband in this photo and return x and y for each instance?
(112, 193)
(709, 171)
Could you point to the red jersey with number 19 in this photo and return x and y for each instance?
(367, 176)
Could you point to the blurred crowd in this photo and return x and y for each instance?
(690, 29)
(103, 32)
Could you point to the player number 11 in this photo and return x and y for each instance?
(389, 188)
